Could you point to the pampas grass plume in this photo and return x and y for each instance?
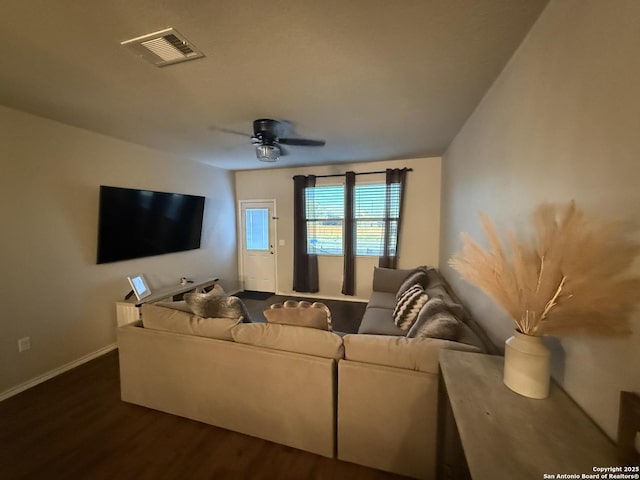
(569, 277)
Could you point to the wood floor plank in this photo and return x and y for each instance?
(75, 426)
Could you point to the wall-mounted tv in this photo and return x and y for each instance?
(141, 223)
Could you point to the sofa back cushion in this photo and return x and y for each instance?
(419, 354)
(177, 305)
(389, 279)
(178, 321)
(289, 338)
(417, 277)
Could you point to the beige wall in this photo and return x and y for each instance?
(420, 232)
(51, 288)
(559, 123)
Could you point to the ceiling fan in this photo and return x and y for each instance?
(269, 136)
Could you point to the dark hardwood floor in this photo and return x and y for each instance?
(345, 316)
(75, 426)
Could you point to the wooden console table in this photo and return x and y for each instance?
(486, 431)
(128, 312)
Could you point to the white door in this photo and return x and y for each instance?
(258, 252)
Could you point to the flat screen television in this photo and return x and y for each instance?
(141, 223)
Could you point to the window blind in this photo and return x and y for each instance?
(325, 218)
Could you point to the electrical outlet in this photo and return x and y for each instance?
(24, 344)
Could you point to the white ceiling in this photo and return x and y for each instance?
(376, 79)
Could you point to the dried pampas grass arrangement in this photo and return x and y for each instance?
(570, 277)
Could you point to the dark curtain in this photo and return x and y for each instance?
(348, 277)
(389, 259)
(305, 265)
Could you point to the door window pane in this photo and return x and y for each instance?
(257, 228)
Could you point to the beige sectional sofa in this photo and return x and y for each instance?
(366, 398)
(271, 381)
(388, 383)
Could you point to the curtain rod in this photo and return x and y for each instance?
(357, 173)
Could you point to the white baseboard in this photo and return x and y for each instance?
(55, 372)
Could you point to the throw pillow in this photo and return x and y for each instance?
(206, 305)
(217, 290)
(408, 307)
(435, 320)
(418, 276)
(197, 296)
(441, 292)
(302, 314)
(442, 325)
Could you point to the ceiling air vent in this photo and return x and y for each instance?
(165, 47)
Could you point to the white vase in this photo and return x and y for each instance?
(527, 366)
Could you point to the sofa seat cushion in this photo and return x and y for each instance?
(289, 338)
(177, 321)
(379, 321)
(382, 300)
(419, 354)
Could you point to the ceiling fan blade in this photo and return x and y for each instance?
(213, 128)
(301, 142)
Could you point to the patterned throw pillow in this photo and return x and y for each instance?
(408, 307)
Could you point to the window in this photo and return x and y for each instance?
(325, 218)
(257, 229)
(370, 206)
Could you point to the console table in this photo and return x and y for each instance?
(486, 431)
(128, 312)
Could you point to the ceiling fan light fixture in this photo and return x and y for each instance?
(267, 153)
